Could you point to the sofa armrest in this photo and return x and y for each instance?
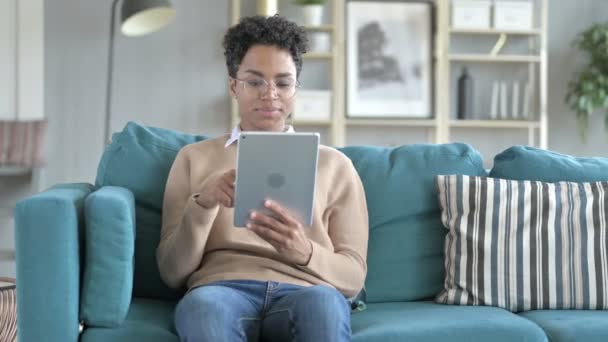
(48, 241)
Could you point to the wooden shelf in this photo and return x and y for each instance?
(490, 58)
(14, 171)
(533, 32)
(305, 122)
(497, 123)
(392, 122)
(318, 55)
(319, 28)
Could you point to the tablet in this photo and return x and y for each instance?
(277, 166)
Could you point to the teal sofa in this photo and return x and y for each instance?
(86, 266)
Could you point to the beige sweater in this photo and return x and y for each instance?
(200, 245)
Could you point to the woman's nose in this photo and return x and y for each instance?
(270, 91)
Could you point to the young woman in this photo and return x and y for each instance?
(277, 279)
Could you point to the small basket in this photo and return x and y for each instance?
(8, 310)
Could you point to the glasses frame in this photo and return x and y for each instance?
(274, 85)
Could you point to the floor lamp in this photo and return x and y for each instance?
(137, 18)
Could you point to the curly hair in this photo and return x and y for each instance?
(259, 30)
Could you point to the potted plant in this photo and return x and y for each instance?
(588, 91)
(312, 11)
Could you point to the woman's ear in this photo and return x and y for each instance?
(232, 87)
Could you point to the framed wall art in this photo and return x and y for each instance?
(389, 59)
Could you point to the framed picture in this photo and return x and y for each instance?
(389, 59)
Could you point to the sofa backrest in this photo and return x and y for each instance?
(529, 163)
(405, 260)
(139, 159)
(405, 256)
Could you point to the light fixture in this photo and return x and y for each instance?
(137, 17)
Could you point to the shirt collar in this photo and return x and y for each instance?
(236, 133)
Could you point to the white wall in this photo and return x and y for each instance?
(173, 78)
(8, 72)
(21, 59)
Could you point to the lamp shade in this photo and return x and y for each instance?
(141, 17)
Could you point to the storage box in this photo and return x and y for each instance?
(312, 105)
(471, 14)
(513, 15)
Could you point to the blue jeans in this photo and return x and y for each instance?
(247, 310)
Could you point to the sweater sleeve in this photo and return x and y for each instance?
(344, 266)
(185, 226)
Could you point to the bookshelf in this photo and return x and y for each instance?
(532, 63)
(442, 127)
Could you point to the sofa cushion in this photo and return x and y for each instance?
(524, 245)
(571, 325)
(139, 159)
(529, 163)
(405, 255)
(148, 320)
(430, 322)
(107, 281)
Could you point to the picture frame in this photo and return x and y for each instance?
(389, 59)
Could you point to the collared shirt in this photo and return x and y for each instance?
(236, 133)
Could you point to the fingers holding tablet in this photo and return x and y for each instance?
(283, 231)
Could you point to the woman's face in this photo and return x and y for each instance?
(264, 88)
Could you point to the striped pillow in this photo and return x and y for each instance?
(524, 245)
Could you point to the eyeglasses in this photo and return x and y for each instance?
(284, 88)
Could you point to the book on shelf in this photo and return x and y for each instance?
(525, 114)
(504, 100)
(494, 101)
(515, 99)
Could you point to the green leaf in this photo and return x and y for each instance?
(582, 103)
(590, 107)
(595, 36)
(588, 89)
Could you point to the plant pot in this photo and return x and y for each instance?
(267, 7)
(312, 15)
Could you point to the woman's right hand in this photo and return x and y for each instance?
(219, 192)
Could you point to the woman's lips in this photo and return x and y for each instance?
(268, 112)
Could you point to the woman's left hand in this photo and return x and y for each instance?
(284, 233)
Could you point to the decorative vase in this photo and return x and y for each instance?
(465, 96)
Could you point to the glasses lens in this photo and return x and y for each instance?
(284, 88)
